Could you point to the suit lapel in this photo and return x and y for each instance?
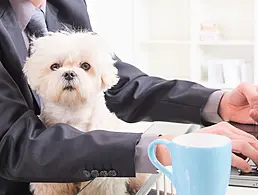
(57, 22)
(53, 22)
(13, 45)
(15, 36)
(51, 18)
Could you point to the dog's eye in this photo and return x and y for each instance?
(55, 66)
(85, 66)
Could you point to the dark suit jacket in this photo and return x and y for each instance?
(62, 153)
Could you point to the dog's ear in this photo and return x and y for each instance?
(33, 42)
(109, 78)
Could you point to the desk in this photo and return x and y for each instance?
(242, 191)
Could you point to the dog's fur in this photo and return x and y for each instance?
(78, 102)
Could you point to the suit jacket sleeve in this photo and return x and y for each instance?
(139, 97)
(30, 152)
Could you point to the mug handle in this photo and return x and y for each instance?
(155, 161)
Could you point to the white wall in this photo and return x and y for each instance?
(113, 19)
(161, 37)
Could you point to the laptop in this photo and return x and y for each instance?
(238, 178)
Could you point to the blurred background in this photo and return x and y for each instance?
(213, 42)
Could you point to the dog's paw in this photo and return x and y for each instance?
(130, 190)
(133, 185)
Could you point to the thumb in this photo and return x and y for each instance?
(250, 93)
(253, 113)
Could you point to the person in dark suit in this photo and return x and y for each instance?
(28, 151)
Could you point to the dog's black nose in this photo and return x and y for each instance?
(69, 75)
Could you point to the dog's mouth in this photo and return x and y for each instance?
(69, 88)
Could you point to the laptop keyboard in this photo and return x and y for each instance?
(254, 171)
(250, 162)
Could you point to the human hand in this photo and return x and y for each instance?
(162, 153)
(242, 143)
(240, 105)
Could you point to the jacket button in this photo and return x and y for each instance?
(86, 173)
(94, 173)
(112, 173)
(103, 173)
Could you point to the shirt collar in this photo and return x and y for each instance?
(23, 10)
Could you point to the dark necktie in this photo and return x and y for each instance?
(37, 25)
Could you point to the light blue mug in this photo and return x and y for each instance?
(201, 163)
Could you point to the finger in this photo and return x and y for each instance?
(238, 134)
(243, 147)
(253, 113)
(246, 136)
(240, 164)
(250, 92)
(255, 145)
(252, 142)
(251, 120)
(232, 132)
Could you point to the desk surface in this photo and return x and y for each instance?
(242, 191)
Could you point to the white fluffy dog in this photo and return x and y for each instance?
(70, 72)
